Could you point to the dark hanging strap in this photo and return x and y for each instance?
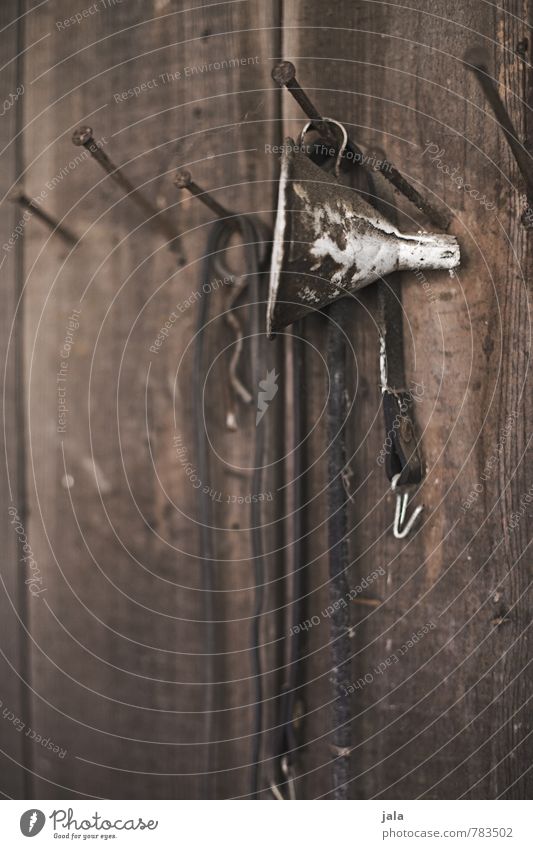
(403, 463)
(340, 735)
(288, 732)
(401, 455)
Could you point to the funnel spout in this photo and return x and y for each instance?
(428, 251)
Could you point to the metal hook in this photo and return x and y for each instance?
(288, 774)
(276, 792)
(400, 530)
(237, 285)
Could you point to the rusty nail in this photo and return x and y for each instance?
(83, 137)
(284, 74)
(184, 180)
(476, 60)
(57, 228)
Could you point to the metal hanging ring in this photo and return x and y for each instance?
(341, 130)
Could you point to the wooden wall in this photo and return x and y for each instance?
(107, 661)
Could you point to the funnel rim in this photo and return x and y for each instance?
(280, 228)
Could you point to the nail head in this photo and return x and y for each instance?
(283, 73)
(477, 57)
(15, 196)
(82, 135)
(183, 178)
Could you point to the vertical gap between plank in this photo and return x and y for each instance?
(20, 413)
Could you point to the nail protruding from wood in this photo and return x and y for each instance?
(284, 74)
(83, 137)
(57, 229)
(184, 180)
(477, 61)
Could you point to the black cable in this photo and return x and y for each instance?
(216, 239)
(252, 237)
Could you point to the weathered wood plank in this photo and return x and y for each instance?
(449, 717)
(118, 640)
(14, 700)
